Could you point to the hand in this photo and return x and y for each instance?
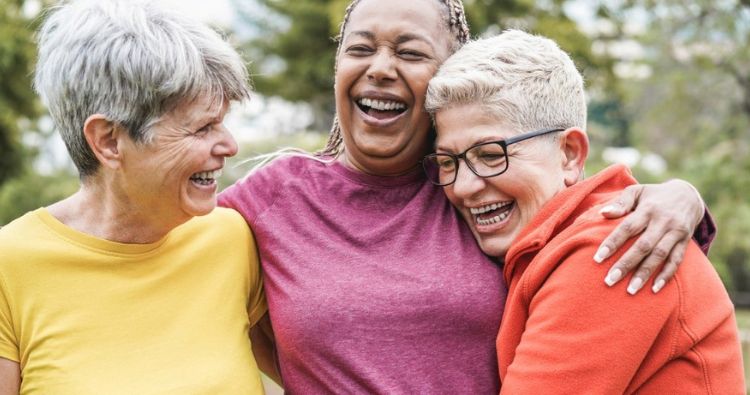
(666, 216)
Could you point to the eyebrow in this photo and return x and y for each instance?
(486, 139)
(402, 38)
(209, 115)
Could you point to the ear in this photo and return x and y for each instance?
(574, 144)
(103, 137)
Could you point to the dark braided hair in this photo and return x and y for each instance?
(455, 19)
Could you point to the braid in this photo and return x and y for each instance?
(335, 139)
(457, 21)
(457, 25)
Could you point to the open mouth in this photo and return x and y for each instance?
(381, 109)
(492, 213)
(206, 178)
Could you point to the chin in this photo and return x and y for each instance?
(494, 248)
(201, 209)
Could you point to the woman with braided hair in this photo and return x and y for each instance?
(374, 283)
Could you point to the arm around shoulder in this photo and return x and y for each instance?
(10, 377)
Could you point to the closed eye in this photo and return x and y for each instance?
(205, 129)
(359, 50)
(411, 55)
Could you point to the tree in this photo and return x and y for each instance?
(17, 99)
(694, 109)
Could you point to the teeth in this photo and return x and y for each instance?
(382, 105)
(494, 219)
(487, 208)
(476, 211)
(208, 175)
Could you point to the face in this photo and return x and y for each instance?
(389, 52)
(497, 208)
(175, 174)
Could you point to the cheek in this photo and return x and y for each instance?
(420, 82)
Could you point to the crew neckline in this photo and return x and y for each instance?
(360, 177)
(94, 243)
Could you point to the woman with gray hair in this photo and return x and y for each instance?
(510, 151)
(135, 283)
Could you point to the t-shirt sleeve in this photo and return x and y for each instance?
(577, 325)
(8, 339)
(705, 232)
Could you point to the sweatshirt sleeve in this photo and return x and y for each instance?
(582, 336)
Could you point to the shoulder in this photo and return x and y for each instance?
(221, 222)
(279, 171)
(255, 193)
(19, 233)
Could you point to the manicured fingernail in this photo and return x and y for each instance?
(635, 285)
(658, 286)
(601, 254)
(613, 277)
(607, 209)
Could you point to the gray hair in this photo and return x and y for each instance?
(522, 79)
(132, 61)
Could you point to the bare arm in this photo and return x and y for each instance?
(10, 377)
(264, 348)
(665, 216)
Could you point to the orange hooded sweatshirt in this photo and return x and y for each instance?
(565, 332)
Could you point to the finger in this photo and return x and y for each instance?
(634, 255)
(624, 203)
(632, 225)
(656, 258)
(670, 268)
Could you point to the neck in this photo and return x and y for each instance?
(375, 168)
(98, 211)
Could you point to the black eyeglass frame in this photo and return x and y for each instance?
(503, 144)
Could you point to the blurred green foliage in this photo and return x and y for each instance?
(17, 100)
(694, 109)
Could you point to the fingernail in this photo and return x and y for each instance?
(635, 285)
(658, 286)
(601, 254)
(606, 209)
(613, 277)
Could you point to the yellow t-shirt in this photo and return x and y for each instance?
(84, 315)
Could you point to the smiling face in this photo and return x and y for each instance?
(497, 208)
(175, 174)
(389, 52)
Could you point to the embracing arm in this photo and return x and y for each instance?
(666, 217)
(10, 377)
(264, 348)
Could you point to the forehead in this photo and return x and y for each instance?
(201, 109)
(425, 17)
(464, 125)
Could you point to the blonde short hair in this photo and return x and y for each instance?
(524, 80)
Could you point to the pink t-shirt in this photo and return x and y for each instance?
(374, 284)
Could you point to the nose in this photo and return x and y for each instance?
(467, 183)
(383, 66)
(226, 145)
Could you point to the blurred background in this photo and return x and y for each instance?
(668, 83)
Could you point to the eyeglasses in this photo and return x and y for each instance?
(485, 160)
